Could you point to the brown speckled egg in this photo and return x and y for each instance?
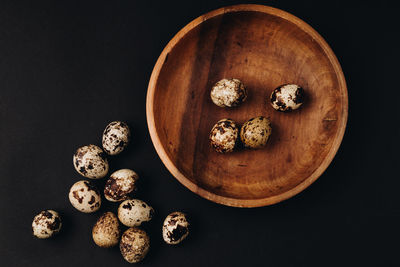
(46, 224)
(224, 135)
(287, 97)
(85, 197)
(91, 162)
(175, 228)
(116, 137)
(133, 212)
(106, 231)
(120, 185)
(134, 245)
(255, 132)
(228, 93)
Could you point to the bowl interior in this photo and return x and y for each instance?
(263, 51)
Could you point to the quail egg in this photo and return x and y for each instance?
(91, 162)
(224, 136)
(46, 224)
(175, 228)
(116, 137)
(134, 245)
(255, 132)
(133, 212)
(228, 93)
(287, 97)
(120, 184)
(106, 231)
(85, 197)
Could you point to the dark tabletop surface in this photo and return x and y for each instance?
(67, 68)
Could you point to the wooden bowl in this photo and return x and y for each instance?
(264, 47)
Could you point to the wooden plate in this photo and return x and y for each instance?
(264, 47)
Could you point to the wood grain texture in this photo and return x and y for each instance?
(264, 47)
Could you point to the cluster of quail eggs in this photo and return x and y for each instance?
(226, 134)
(91, 162)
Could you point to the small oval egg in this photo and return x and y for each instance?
(46, 224)
(287, 97)
(255, 132)
(228, 93)
(224, 135)
(106, 231)
(120, 185)
(91, 162)
(133, 212)
(85, 197)
(175, 228)
(116, 137)
(134, 245)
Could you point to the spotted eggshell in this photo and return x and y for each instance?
(134, 245)
(287, 97)
(224, 135)
(106, 231)
(116, 137)
(255, 132)
(46, 224)
(91, 162)
(120, 185)
(228, 93)
(85, 197)
(133, 212)
(175, 228)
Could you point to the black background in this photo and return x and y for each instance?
(67, 68)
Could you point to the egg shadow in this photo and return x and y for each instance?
(239, 146)
(307, 103)
(194, 232)
(275, 136)
(153, 229)
(114, 251)
(107, 206)
(138, 134)
(250, 97)
(67, 226)
(143, 186)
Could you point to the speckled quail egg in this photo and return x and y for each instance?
(116, 137)
(287, 97)
(175, 228)
(120, 184)
(228, 93)
(133, 212)
(106, 231)
(85, 197)
(255, 132)
(46, 224)
(91, 162)
(224, 136)
(134, 245)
